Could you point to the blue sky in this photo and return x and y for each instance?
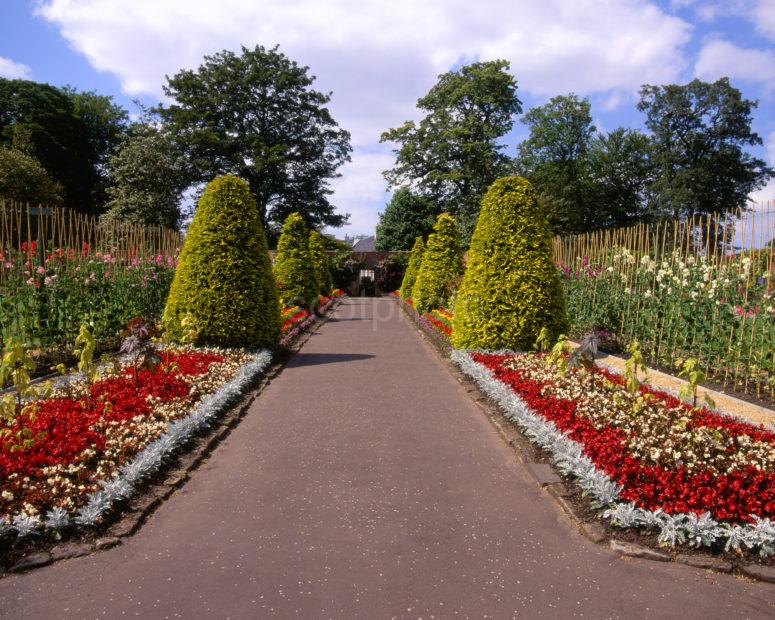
(378, 58)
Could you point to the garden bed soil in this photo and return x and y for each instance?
(127, 517)
(569, 499)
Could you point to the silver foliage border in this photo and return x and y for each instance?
(123, 484)
(569, 458)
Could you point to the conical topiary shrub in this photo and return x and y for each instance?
(321, 263)
(511, 288)
(410, 276)
(223, 292)
(441, 262)
(293, 268)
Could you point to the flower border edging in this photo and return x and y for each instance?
(150, 460)
(568, 457)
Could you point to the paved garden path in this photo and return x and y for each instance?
(364, 483)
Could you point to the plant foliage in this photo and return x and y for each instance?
(442, 262)
(415, 261)
(224, 277)
(294, 269)
(511, 289)
(321, 262)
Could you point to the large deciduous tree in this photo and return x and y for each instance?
(619, 170)
(256, 115)
(406, 217)
(699, 132)
(454, 152)
(71, 134)
(148, 178)
(554, 158)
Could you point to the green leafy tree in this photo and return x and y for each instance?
(699, 132)
(23, 179)
(453, 154)
(256, 115)
(555, 157)
(405, 217)
(71, 134)
(442, 262)
(511, 291)
(223, 292)
(321, 263)
(410, 275)
(105, 125)
(619, 170)
(148, 178)
(293, 268)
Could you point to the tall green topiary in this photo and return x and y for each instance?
(321, 263)
(223, 292)
(511, 288)
(410, 275)
(441, 262)
(293, 268)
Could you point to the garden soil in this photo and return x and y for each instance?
(364, 483)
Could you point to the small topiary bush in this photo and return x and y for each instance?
(410, 275)
(293, 268)
(441, 262)
(223, 292)
(317, 250)
(511, 288)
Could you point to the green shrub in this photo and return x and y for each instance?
(511, 288)
(441, 262)
(293, 267)
(321, 263)
(223, 287)
(410, 275)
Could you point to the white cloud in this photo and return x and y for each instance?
(13, 70)
(361, 189)
(380, 57)
(720, 58)
(764, 18)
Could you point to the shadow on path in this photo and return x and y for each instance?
(315, 359)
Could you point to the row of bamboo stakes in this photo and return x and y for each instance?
(717, 239)
(50, 228)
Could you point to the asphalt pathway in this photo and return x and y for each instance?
(363, 483)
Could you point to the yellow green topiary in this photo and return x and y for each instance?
(223, 283)
(441, 263)
(511, 288)
(293, 268)
(410, 275)
(321, 263)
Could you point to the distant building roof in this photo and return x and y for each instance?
(364, 245)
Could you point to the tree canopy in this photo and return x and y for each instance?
(256, 115)
(406, 217)
(554, 158)
(698, 133)
(71, 134)
(23, 179)
(148, 178)
(453, 154)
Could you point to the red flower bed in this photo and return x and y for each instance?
(713, 464)
(55, 450)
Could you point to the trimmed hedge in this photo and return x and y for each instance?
(441, 263)
(511, 288)
(415, 261)
(293, 268)
(317, 250)
(223, 292)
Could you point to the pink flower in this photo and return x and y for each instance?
(41, 270)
